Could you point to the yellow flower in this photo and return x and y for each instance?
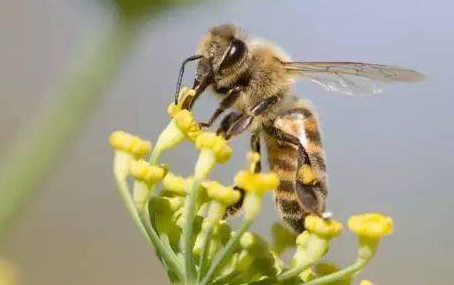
(224, 195)
(130, 144)
(143, 171)
(182, 117)
(366, 282)
(324, 228)
(218, 145)
(371, 225)
(185, 92)
(257, 183)
(175, 184)
(186, 123)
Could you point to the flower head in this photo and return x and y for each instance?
(217, 144)
(143, 171)
(371, 225)
(185, 93)
(187, 124)
(220, 193)
(324, 228)
(130, 144)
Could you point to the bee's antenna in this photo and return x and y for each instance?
(180, 75)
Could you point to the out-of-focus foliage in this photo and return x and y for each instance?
(140, 7)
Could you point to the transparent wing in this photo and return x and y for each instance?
(352, 77)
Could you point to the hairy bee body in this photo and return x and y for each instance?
(254, 78)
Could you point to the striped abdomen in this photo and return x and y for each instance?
(302, 188)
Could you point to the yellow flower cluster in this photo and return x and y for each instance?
(324, 228)
(218, 192)
(143, 171)
(217, 144)
(130, 144)
(371, 225)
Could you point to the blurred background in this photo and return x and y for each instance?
(390, 153)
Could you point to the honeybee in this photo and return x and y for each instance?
(254, 79)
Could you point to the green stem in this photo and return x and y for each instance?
(205, 251)
(187, 234)
(167, 253)
(218, 262)
(155, 156)
(347, 271)
(35, 153)
(152, 237)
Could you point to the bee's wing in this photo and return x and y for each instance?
(351, 77)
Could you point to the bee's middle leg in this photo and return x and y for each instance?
(244, 120)
(226, 103)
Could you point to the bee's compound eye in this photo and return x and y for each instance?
(235, 52)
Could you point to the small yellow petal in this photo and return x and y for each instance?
(371, 225)
(217, 144)
(128, 143)
(175, 184)
(143, 171)
(322, 227)
(257, 183)
(225, 195)
(185, 121)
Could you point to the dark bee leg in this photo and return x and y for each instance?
(308, 194)
(255, 146)
(226, 103)
(242, 122)
(226, 122)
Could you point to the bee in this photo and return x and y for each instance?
(254, 80)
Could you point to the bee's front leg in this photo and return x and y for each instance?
(226, 103)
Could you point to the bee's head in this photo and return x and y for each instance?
(221, 51)
(223, 47)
